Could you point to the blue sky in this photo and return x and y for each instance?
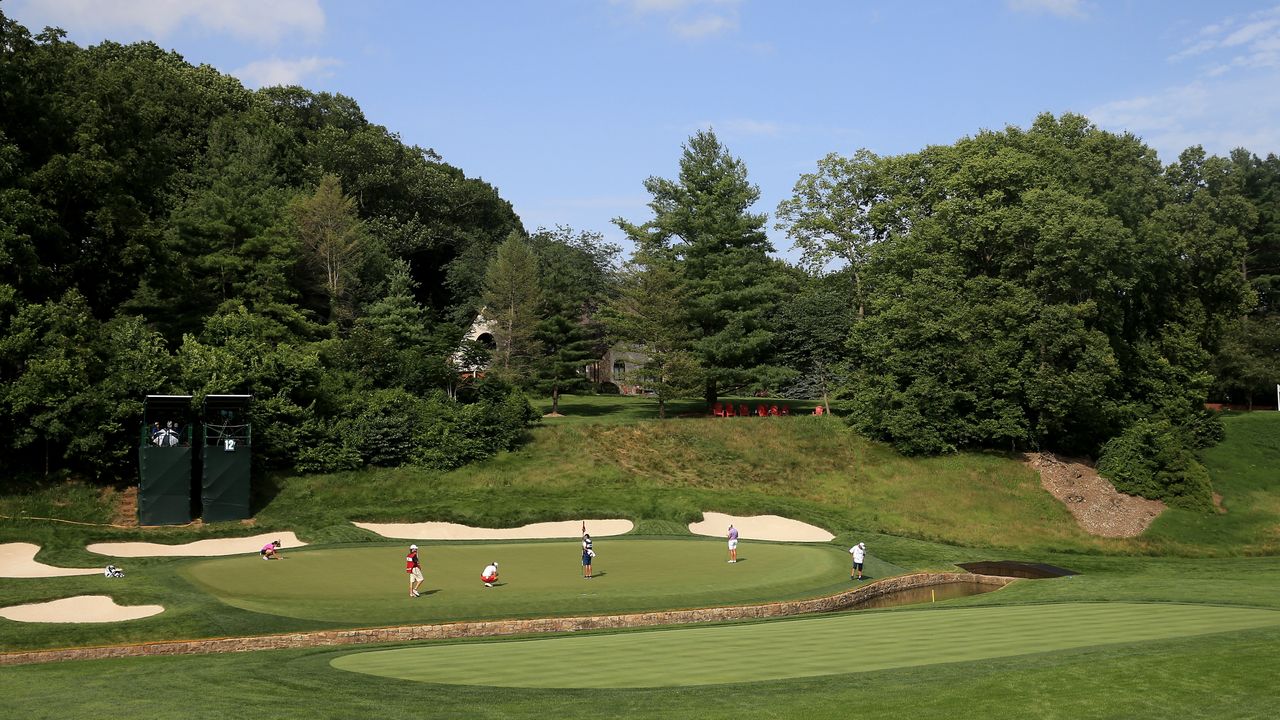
(568, 105)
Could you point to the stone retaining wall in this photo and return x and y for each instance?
(839, 601)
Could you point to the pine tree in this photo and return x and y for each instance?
(511, 298)
(703, 217)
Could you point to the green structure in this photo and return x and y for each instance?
(164, 460)
(225, 451)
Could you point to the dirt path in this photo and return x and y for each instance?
(1096, 504)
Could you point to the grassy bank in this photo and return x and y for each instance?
(913, 513)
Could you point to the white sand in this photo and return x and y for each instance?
(81, 609)
(203, 548)
(536, 531)
(759, 527)
(18, 560)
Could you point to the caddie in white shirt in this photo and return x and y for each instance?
(859, 553)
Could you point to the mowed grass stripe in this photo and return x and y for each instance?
(857, 642)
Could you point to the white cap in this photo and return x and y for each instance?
(413, 547)
(495, 563)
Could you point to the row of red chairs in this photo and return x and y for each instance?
(728, 410)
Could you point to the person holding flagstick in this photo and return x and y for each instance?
(587, 552)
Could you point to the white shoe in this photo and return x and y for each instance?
(415, 594)
(488, 584)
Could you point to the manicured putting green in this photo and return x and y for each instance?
(367, 586)
(829, 645)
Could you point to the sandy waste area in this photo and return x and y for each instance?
(759, 527)
(80, 609)
(200, 548)
(18, 560)
(536, 531)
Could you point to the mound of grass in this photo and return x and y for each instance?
(1245, 469)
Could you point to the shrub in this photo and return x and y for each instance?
(1154, 459)
(1205, 429)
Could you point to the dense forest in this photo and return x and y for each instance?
(165, 230)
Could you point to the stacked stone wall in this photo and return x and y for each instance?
(496, 628)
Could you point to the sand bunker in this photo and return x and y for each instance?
(82, 609)
(18, 560)
(759, 527)
(536, 531)
(203, 548)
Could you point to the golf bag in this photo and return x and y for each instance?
(113, 572)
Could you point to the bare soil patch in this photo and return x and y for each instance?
(1096, 504)
(123, 504)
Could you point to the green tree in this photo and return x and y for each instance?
(1043, 288)
(703, 217)
(649, 314)
(47, 351)
(512, 300)
(813, 326)
(574, 269)
(830, 217)
(335, 241)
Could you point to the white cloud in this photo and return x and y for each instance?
(1251, 42)
(275, 71)
(1249, 33)
(703, 26)
(1061, 8)
(743, 127)
(247, 19)
(1220, 115)
(689, 19)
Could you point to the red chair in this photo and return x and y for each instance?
(717, 410)
(786, 409)
(743, 411)
(728, 410)
(761, 410)
(773, 410)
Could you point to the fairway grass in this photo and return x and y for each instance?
(858, 642)
(364, 586)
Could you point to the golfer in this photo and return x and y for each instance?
(489, 575)
(414, 568)
(733, 544)
(859, 553)
(587, 555)
(271, 551)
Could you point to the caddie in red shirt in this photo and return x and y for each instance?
(414, 568)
